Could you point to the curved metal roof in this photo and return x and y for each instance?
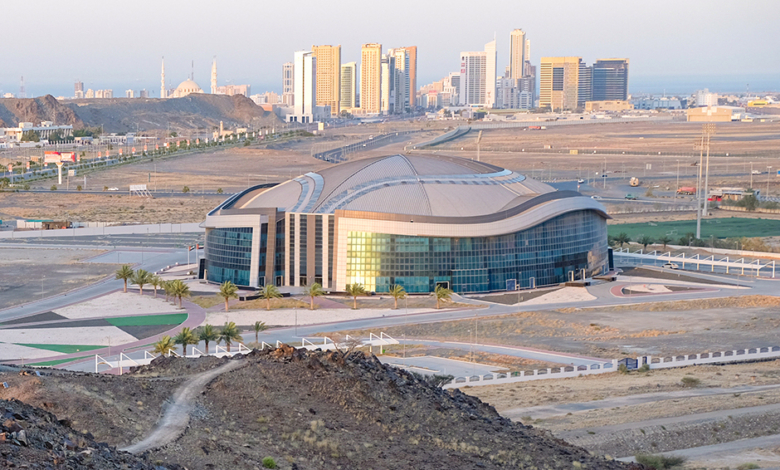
(401, 184)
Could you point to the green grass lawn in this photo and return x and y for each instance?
(56, 362)
(733, 227)
(146, 320)
(63, 348)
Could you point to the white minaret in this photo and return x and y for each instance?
(163, 91)
(214, 77)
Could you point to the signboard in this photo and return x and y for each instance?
(68, 157)
(51, 157)
(10, 168)
(137, 187)
(71, 172)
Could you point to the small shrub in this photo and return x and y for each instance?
(185, 189)
(659, 462)
(79, 188)
(748, 466)
(105, 188)
(623, 369)
(26, 186)
(219, 190)
(690, 382)
(269, 462)
(53, 187)
(644, 368)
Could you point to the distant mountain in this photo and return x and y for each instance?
(198, 111)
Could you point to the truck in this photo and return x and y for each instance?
(687, 190)
(633, 182)
(632, 197)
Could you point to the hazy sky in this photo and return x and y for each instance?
(685, 44)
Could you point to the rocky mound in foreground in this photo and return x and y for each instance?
(328, 410)
(33, 438)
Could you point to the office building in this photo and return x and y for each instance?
(705, 98)
(411, 53)
(610, 80)
(472, 78)
(559, 83)
(328, 76)
(491, 58)
(401, 81)
(143, 94)
(371, 78)
(304, 87)
(287, 84)
(395, 220)
(78, 89)
(348, 85)
(584, 85)
(389, 75)
(517, 58)
(129, 94)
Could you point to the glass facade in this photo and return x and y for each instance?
(229, 255)
(543, 255)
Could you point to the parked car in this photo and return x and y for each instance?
(580, 181)
(632, 197)
(670, 266)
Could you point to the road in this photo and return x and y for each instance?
(543, 412)
(177, 414)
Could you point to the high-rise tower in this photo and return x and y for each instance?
(559, 83)
(214, 76)
(517, 49)
(328, 76)
(490, 74)
(371, 78)
(163, 91)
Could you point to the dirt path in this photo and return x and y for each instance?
(177, 415)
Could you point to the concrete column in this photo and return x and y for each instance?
(297, 252)
(270, 251)
(325, 243)
(254, 267)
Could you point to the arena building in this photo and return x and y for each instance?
(415, 221)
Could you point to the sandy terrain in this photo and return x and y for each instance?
(305, 317)
(15, 351)
(108, 207)
(117, 304)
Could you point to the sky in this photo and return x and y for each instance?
(675, 46)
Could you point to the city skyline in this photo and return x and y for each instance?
(688, 46)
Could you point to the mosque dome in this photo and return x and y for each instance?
(185, 88)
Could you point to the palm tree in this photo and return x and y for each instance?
(140, 278)
(665, 240)
(269, 292)
(179, 289)
(208, 334)
(164, 346)
(258, 327)
(124, 273)
(441, 293)
(622, 239)
(185, 337)
(355, 290)
(156, 282)
(397, 292)
(228, 291)
(315, 290)
(645, 240)
(229, 333)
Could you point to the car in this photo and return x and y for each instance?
(632, 197)
(595, 197)
(113, 189)
(580, 181)
(670, 266)
(756, 172)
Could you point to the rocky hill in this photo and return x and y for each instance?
(303, 410)
(200, 111)
(45, 108)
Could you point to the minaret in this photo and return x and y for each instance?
(214, 77)
(163, 91)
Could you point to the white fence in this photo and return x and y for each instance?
(326, 344)
(719, 357)
(755, 267)
(109, 230)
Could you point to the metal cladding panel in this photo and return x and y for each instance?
(284, 196)
(402, 199)
(466, 200)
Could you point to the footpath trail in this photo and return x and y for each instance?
(177, 415)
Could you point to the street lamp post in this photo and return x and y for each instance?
(768, 170)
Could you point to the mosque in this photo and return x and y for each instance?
(189, 86)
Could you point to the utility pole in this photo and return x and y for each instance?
(677, 189)
(768, 171)
(479, 139)
(701, 201)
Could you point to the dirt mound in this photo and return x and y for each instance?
(198, 111)
(331, 410)
(45, 108)
(33, 438)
